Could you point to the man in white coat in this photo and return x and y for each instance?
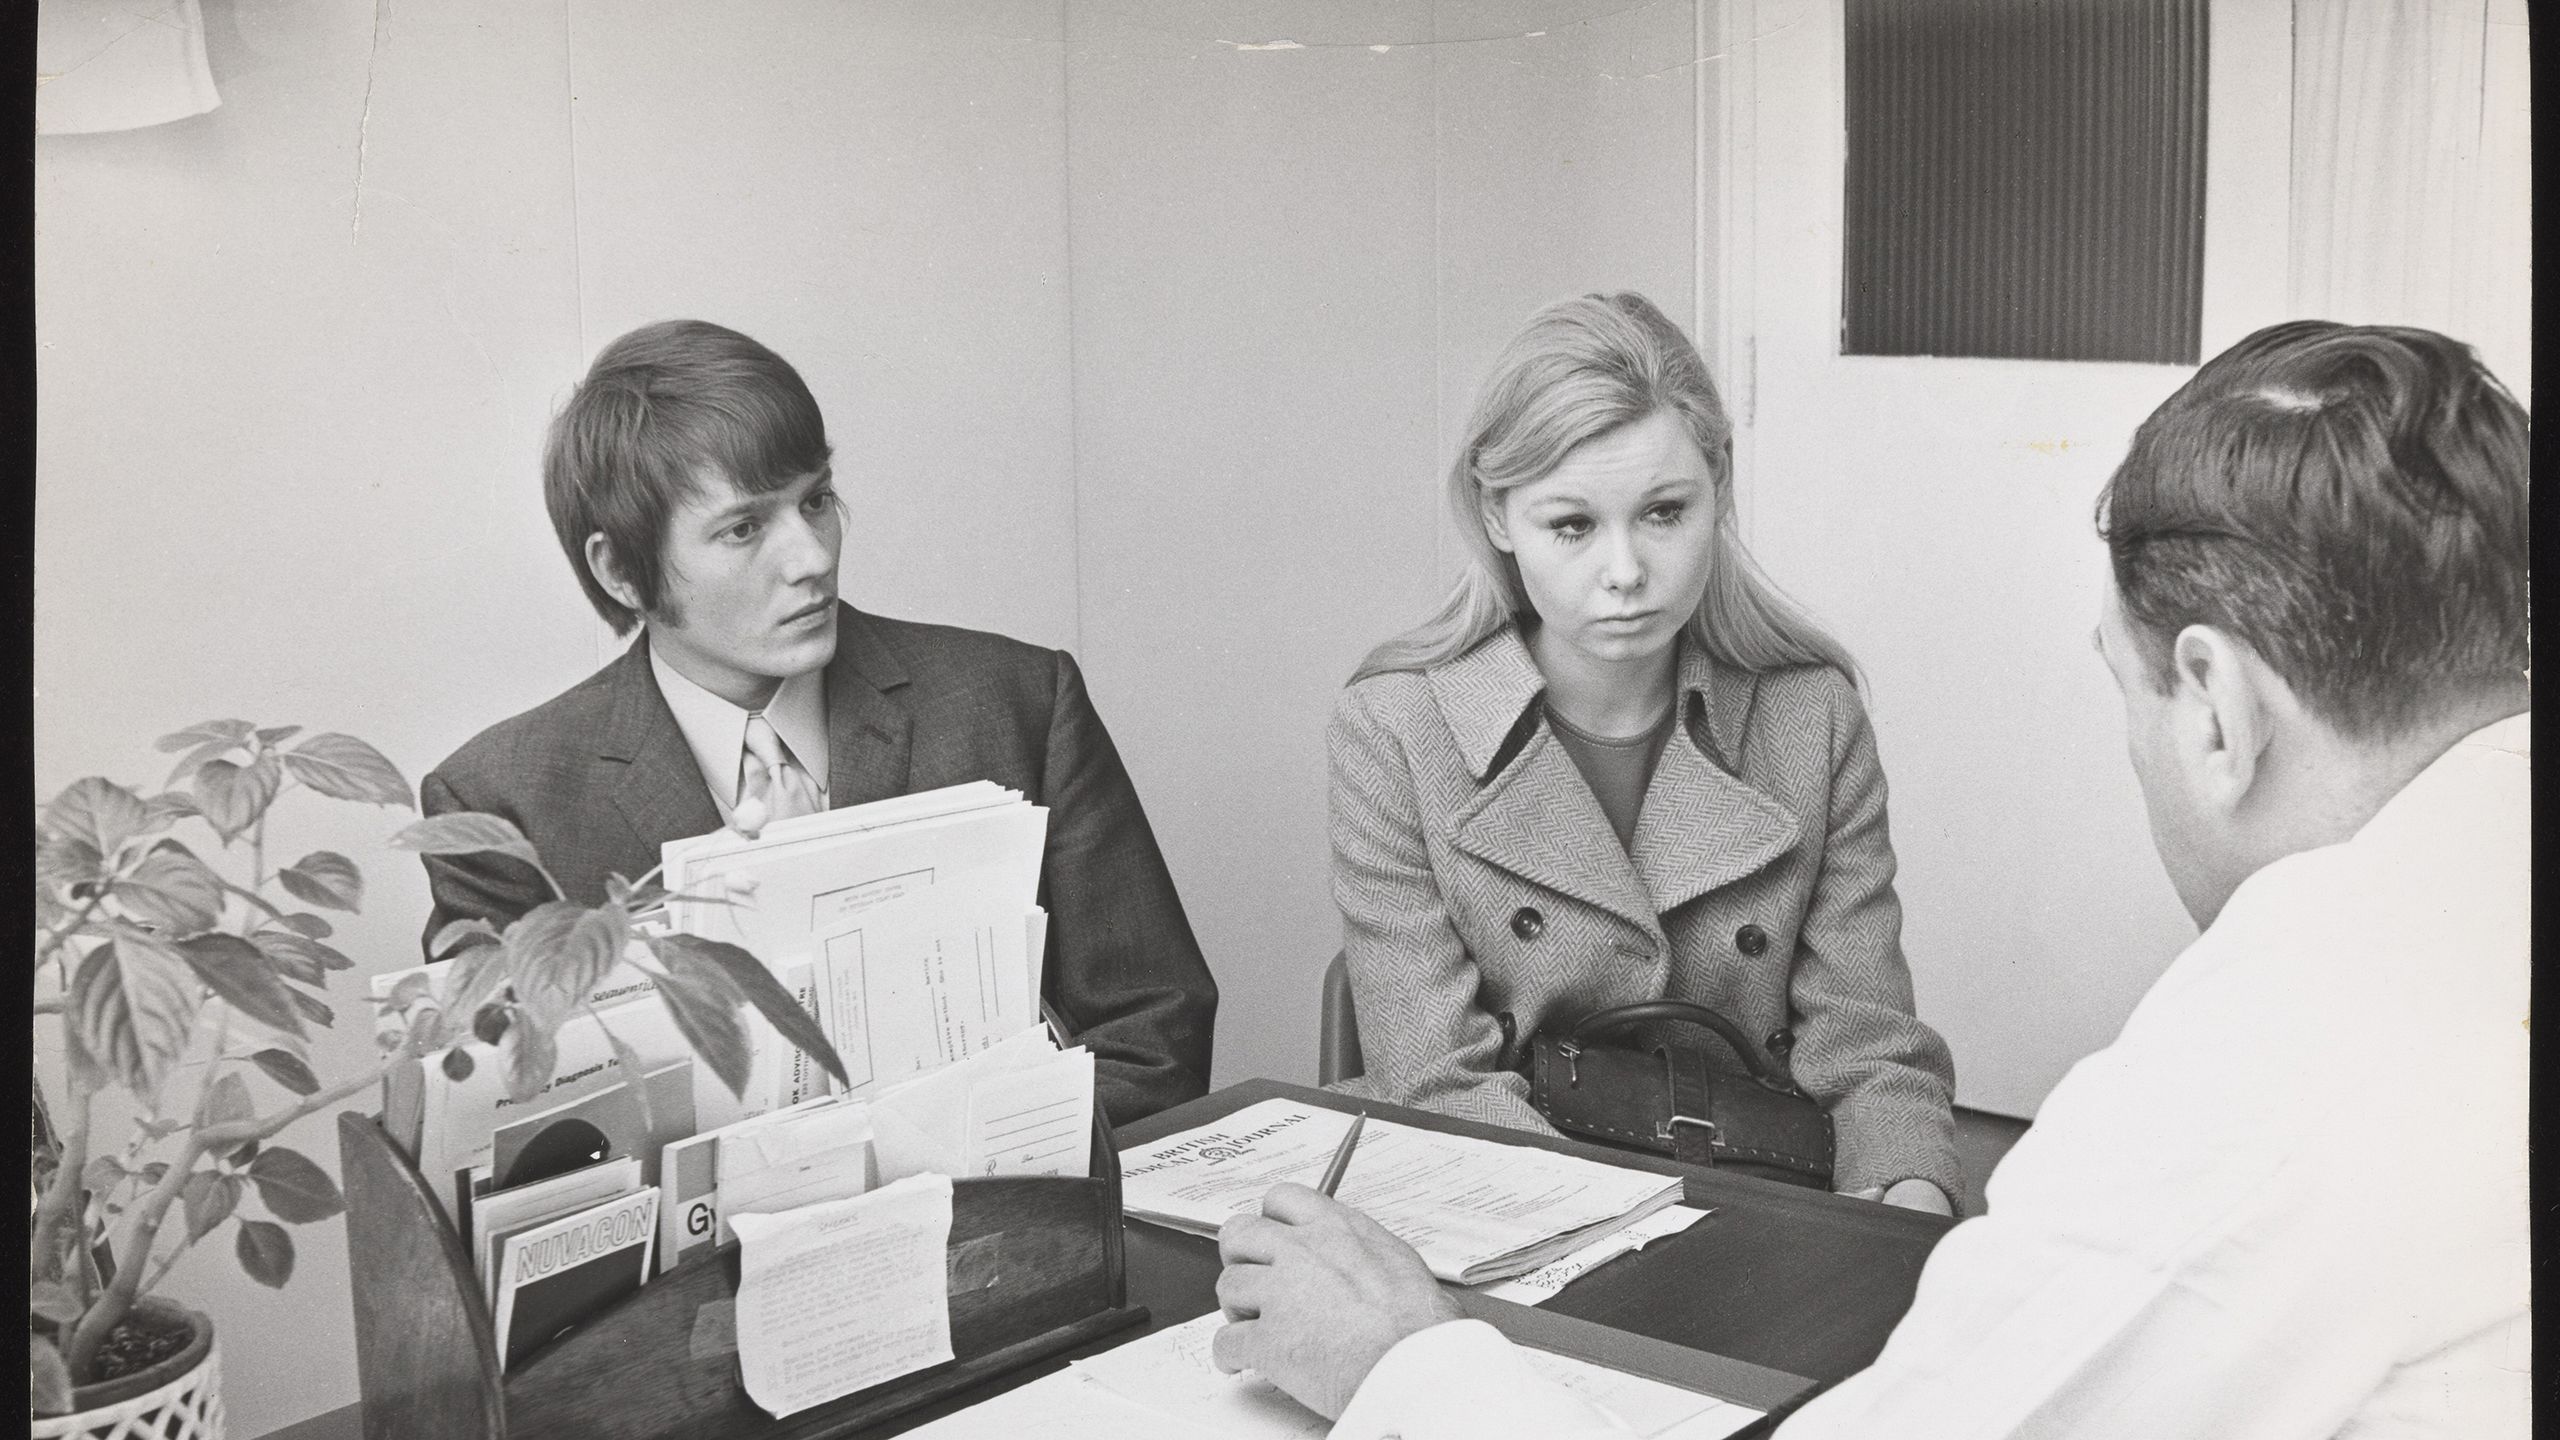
(2290, 1199)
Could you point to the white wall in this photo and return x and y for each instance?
(1130, 340)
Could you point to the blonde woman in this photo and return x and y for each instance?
(1617, 766)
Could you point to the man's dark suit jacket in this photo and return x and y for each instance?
(599, 777)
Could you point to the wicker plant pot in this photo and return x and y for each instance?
(179, 1398)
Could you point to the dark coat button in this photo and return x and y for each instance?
(1751, 940)
(1780, 1041)
(1527, 923)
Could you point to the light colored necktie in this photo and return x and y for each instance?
(770, 786)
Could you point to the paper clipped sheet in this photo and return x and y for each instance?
(836, 1297)
(1477, 1210)
(1544, 1283)
(1172, 1373)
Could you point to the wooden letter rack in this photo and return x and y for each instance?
(1034, 1269)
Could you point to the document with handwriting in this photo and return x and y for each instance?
(839, 1296)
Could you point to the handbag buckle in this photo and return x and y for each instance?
(1662, 1131)
(1572, 1054)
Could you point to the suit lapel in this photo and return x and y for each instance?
(869, 734)
(1701, 826)
(660, 793)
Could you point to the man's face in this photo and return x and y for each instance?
(2182, 829)
(749, 598)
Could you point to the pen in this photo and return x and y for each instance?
(1342, 1156)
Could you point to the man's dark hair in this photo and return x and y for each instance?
(2348, 501)
(662, 409)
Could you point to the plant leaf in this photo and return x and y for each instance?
(102, 1174)
(131, 1003)
(629, 1061)
(706, 1009)
(97, 810)
(471, 930)
(304, 923)
(48, 1379)
(278, 734)
(228, 1100)
(540, 965)
(313, 1008)
(288, 1070)
(532, 1055)
(292, 1188)
(762, 991)
(232, 796)
(325, 878)
(239, 973)
(478, 974)
(296, 958)
(466, 832)
(266, 1252)
(209, 1196)
(63, 863)
(194, 760)
(230, 732)
(349, 769)
(173, 890)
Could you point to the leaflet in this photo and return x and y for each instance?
(917, 983)
(1477, 1210)
(1547, 1281)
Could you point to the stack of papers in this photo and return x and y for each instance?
(912, 924)
(1477, 1210)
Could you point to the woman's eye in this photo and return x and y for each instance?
(1666, 514)
(1570, 527)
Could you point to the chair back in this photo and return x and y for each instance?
(1338, 1026)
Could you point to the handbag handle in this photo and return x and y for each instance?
(1601, 1023)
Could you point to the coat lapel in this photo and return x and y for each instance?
(869, 734)
(660, 792)
(1701, 826)
(1536, 818)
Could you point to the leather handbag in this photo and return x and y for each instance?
(1669, 1099)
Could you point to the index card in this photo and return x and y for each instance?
(839, 1296)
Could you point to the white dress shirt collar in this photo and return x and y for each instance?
(716, 731)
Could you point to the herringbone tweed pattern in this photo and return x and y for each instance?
(1760, 883)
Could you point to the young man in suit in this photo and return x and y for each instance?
(2289, 1200)
(689, 485)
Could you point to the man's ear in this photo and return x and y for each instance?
(608, 572)
(1496, 528)
(2220, 698)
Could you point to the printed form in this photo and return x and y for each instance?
(1477, 1210)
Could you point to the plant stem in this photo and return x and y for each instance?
(142, 1223)
(52, 1258)
(253, 897)
(54, 941)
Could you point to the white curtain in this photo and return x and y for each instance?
(2412, 171)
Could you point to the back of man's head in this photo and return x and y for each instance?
(2347, 501)
(663, 410)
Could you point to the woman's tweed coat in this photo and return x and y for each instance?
(1476, 873)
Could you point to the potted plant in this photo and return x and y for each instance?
(192, 986)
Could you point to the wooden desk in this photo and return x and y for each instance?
(1793, 1279)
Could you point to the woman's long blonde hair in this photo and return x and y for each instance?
(1581, 368)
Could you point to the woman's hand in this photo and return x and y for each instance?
(1911, 1194)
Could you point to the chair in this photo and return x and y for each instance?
(1337, 1026)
